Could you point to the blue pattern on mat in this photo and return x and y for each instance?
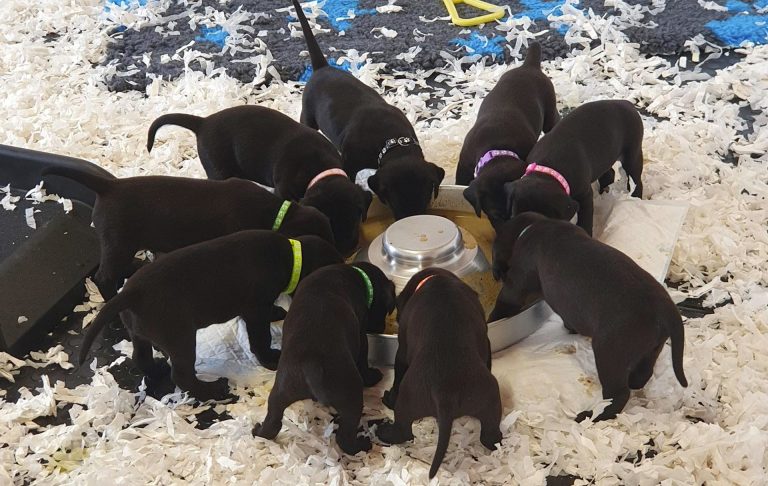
(344, 66)
(744, 25)
(215, 35)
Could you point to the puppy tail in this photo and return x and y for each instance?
(313, 374)
(533, 56)
(315, 54)
(106, 314)
(94, 182)
(444, 426)
(677, 335)
(190, 122)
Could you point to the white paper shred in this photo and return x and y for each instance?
(29, 214)
(711, 432)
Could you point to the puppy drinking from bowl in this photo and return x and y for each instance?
(325, 347)
(163, 304)
(582, 148)
(598, 291)
(443, 362)
(509, 122)
(369, 133)
(265, 146)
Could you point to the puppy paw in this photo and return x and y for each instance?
(215, 390)
(159, 369)
(584, 415)
(371, 376)
(262, 430)
(490, 442)
(389, 399)
(389, 433)
(360, 444)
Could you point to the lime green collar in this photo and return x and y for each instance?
(368, 285)
(296, 272)
(281, 215)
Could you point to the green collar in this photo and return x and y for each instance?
(368, 285)
(281, 215)
(296, 272)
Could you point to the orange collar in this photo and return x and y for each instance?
(423, 282)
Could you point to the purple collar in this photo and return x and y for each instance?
(490, 155)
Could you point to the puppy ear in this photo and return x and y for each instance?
(470, 194)
(367, 199)
(390, 301)
(438, 176)
(509, 192)
(373, 184)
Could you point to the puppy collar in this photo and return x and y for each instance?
(368, 286)
(396, 142)
(423, 281)
(524, 230)
(492, 154)
(324, 174)
(281, 215)
(296, 272)
(534, 167)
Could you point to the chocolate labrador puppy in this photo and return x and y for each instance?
(440, 319)
(162, 214)
(163, 304)
(369, 133)
(509, 123)
(325, 347)
(265, 146)
(598, 291)
(580, 149)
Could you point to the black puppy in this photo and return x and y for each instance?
(598, 291)
(163, 304)
(325, 347)
(580, 149)
(443, 362)
(369, 133)
(162, 214)
(263, 145)
(509, 123)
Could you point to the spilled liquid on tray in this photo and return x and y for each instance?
(482, 234)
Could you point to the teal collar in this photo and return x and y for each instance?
(368, 285)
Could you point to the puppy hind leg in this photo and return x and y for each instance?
(632, 163)
(143, 359)
(490, 417)
(409, 407)
(346, 396)
(612, 371)
(401, 366)
(260, 336)
(606, 180)
(115, 264)
(283, 394)
(183, 353)
(643, 371)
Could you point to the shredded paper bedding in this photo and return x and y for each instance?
(55, 100)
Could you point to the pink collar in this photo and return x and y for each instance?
(534, 167)
(492, 154)
(424, 280)
(324, 174)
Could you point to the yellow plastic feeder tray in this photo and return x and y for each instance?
(495, 12)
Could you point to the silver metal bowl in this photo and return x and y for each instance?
(403, 248)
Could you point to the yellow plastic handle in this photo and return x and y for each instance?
(495, 12)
